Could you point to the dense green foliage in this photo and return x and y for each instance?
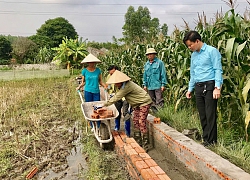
(56, 29)
(24, 50)
(70, 53)
(139, 27)
(41, 41)
(5, 50)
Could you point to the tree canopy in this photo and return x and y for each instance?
(140, 27)
(42, 41)
(55, 29)
(5, 48)
(24, 50)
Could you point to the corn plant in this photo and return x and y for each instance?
(229, 33)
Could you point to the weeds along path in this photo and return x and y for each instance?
(37, 128)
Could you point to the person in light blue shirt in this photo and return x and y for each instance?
(91, 78)
(154, 78)
(206, 78)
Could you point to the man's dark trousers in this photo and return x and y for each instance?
(207, 108)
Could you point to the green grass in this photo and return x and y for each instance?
(238, 152)
(183, 118)
(31, 74)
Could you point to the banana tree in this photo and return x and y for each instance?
(70, 53)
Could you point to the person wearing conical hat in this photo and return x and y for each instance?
(91, 78)
(120, 105)
(138, 99)
(111, 91)
(154, 78)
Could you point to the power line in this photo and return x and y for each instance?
(110, 4)
(93, 14)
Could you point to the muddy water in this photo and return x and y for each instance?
(76, 164)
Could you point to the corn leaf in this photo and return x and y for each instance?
(240, 47)
(245, 90)
(229, 49)
(247, 119)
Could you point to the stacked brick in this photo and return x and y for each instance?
(139, 164)
(102, 113)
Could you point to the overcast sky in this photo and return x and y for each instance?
(99, 20)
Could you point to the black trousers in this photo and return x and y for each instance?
(157, 97)
(207, 108)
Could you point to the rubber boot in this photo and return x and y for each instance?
(145, 141)
(137, 136)
(127, 127)
(117, 124)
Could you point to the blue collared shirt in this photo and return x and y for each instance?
(205, 66)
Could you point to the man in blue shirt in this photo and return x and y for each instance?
(154, 77)
(206, 79)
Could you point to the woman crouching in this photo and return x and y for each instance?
(139, 100)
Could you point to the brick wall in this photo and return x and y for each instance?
(139, 164)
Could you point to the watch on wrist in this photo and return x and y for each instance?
(217, 88)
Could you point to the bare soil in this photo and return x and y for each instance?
(42, 126)
(173, 168)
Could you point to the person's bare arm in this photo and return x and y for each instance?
(101, 82)
(82, 83)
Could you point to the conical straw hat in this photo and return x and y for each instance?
(118, 77)
(90, 58)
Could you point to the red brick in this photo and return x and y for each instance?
(150, 162)
(163, 177)
(144, 156)
(103, 116)
(115, 133)
(123, 136)
(122, 133)
(157, 120)
(151, 172)
(145, 174)
(101, 110)
(119, 142)
(95, 116)
(135, 145)
(110, 113)
(127, 148)
(131, 152)
(140, 165)
(130, 140)
(132, 171)
(155, 178)
(157, 170)
(139, 150)
(135, 157)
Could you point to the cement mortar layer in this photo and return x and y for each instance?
(196, 157)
